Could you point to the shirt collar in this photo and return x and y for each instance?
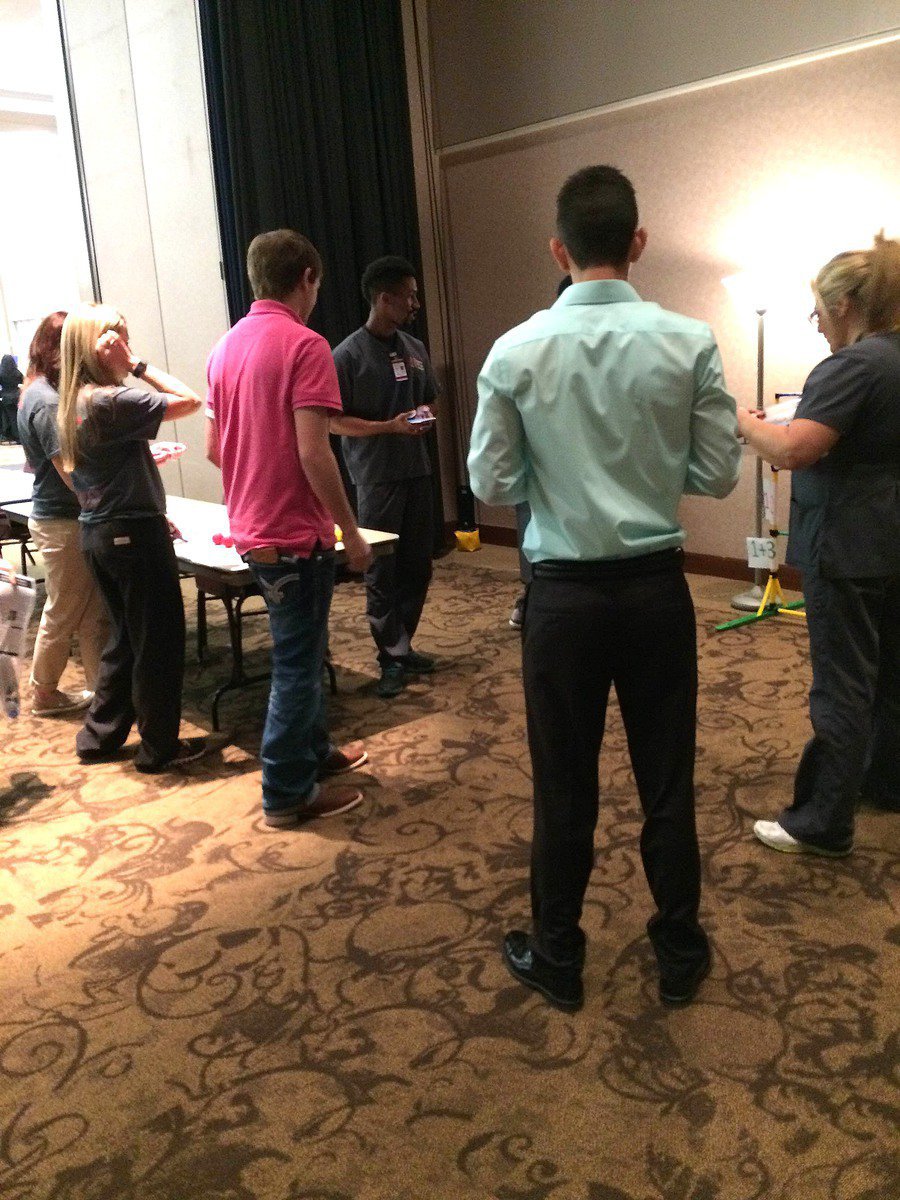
(261, 308)
(598, 291)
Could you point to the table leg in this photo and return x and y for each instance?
(201, 624)
(233, 611)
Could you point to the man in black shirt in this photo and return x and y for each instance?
(387, 390)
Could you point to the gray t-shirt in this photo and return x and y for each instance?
(39, 435)
(116, 476)
(380, 378)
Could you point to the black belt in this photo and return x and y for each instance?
(598, 570)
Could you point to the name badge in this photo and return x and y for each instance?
(399, 367)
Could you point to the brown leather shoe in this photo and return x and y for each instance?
(329, 802)
(343, 758)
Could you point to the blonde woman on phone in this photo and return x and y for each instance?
(105, 430)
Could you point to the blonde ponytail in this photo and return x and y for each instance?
(870, 279)
(880, 294)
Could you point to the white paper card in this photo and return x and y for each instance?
(762, 553)
(770, 487)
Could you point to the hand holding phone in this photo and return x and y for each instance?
(422, 416)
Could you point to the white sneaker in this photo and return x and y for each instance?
(770, 833)
(62, 703)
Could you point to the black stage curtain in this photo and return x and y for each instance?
(309, 124)
(310, 130)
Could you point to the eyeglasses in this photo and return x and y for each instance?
(814, 317)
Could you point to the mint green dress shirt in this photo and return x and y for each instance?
(601, 412)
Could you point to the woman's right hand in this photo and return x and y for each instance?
(8, 572)
(114, 354)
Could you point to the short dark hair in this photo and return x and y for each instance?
(384, 275)
(596, 217)
(277, 261)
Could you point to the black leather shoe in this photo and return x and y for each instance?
(562, 986)
(676, 990)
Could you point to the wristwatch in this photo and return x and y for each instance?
(138, 369)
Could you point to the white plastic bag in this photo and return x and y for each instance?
(16, 607)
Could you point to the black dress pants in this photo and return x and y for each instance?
(854, 707)
(589, 625)
(142, 667)
(397, 584)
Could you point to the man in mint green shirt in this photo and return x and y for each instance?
(601, 412)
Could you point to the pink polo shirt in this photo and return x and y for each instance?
(269, 364)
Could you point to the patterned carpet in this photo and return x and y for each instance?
(192, 1006)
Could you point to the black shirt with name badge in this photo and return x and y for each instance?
(379, 379)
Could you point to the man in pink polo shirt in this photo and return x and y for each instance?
(272, 388)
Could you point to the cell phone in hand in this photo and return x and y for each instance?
(422, 416)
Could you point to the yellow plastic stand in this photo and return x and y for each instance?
(774, 597)
(468, 539)
(774, 602)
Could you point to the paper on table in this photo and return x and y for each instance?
(202, 551)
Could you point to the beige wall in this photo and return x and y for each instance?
(777, 171)
(502, 64)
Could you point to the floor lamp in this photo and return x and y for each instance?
(746, 289)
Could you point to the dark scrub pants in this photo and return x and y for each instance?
(142, 667)
(397, 584)
(854, 704)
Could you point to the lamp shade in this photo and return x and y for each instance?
(751, 289)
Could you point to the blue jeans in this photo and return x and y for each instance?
(297, 592)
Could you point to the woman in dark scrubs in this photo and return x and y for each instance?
(843, 449)
(104, 430)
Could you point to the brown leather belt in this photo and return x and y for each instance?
(270, 555)
(263, 554)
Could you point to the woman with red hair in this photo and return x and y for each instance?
(74, 604)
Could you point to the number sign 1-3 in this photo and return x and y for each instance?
(762, 552)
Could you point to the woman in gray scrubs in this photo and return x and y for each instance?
(105, 429)
(843, 448)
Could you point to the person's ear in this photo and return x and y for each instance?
(560, 256)
(638, 243)
(840, 308)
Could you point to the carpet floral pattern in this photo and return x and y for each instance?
(194, 1006)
